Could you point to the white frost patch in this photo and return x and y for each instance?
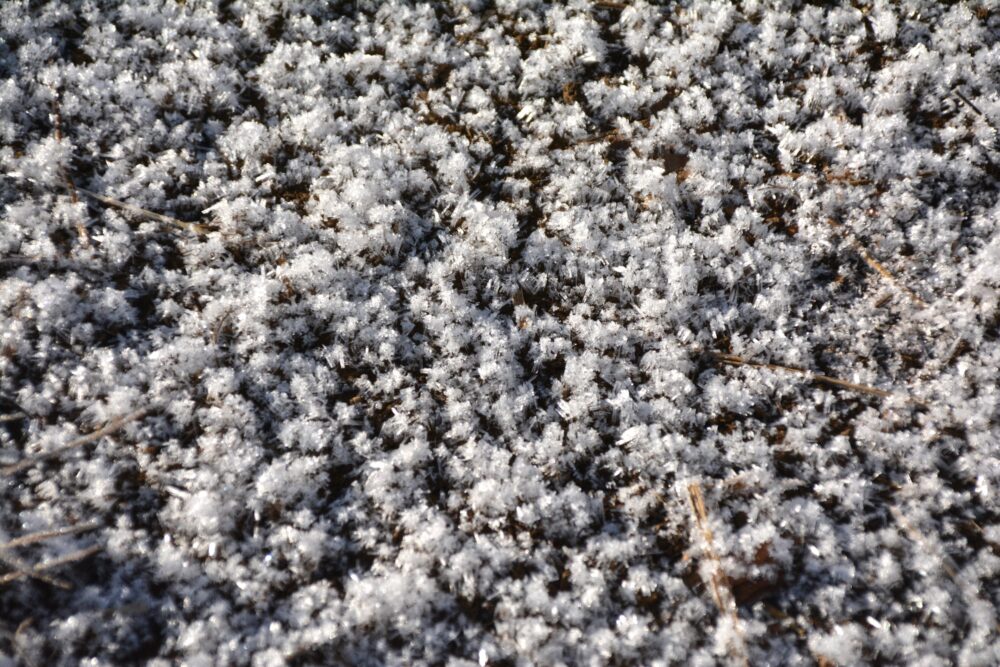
(480, 288)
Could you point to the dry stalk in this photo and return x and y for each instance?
(217, 332)
(82, 441)
(41, 536)
(138, 210)
(947, 564)
(194, 227)
(722, 592)
(22, 627)
(71, 557)
(24, 569)
(81, 230)
(877, 266)
(968, 592)
(74, 190)
(815, 377)
(968, 103)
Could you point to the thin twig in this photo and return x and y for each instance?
(24, 569)
(195, 227)
(42, 536)
(22, 627)
(877, 266)
(71, 557)
(81, 230)
(947, 564)
(82, 441)
(722, 593)
(219, 326)
(138, 210)
(13, 417)
(969, 103)
(15, 260)
(882, 271)
(969, 592)
(815, 377)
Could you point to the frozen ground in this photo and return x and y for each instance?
(484, 349)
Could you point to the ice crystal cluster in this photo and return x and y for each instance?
(485, 349)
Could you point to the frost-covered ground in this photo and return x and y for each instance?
(484, 350)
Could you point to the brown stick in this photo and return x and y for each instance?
(23, 569)
(195, 227)
(18, 633)
(82, 441)
(876, 265)
(81, 230)
(722, 593)
(947, 564)
(815, 377)
(138, 210)
(42, 536)
(968, 103)
(48, 565)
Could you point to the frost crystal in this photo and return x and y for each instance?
(514, 333)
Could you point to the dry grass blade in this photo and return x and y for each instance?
(22, 628)
(815, 377)
(722, 592)
(19, 260)
(24, 569)
(138, 210)
(71, 557)
(13, 417)
(82, 441)
(884, 272)
(876, 265)
(194, 227)
(947, 564)
(969, 103)
(42, 536)
(81, 230)
(969, 592)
